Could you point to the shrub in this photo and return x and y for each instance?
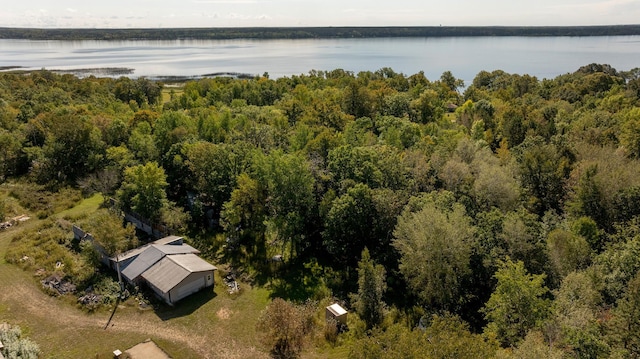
(108, 288)
(15, 346)
(2, 209)
(285, 327)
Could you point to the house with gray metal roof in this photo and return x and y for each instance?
(150, 256)
(168, 266)
(176, 276)
(126, 258)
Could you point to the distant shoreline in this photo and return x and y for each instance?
(123, 71)
(311, 32)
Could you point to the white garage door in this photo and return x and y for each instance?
(189, 288)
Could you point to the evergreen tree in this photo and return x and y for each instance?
(371, 286)
(625, 326)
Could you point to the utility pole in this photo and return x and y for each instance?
(119, 276)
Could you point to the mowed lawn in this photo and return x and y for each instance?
(210, 324)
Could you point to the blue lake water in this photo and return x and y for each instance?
(544, 57)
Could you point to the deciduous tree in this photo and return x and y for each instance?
(575, 312)
(446, 337)
(544, 169)
(568, 252)
(110, 232)
(518, 303)
(143, 190)
(215, 168)
(435, 248)
(72, 146)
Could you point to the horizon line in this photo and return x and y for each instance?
(314, 27)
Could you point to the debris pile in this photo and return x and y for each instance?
(56, 283)
(230, 281)
(13, 221)
(90, 299)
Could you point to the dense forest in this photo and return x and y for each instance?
(502, 216)
(312, 32)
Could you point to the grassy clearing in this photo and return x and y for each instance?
(87, 206)
(39, 201)
(173, 89)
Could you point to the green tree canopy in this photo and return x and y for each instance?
(625, 325)
(110, 232)
(518, 303)
(143, 190)
(72, 146)
(446, 337)
(435, 249)
(361, 218)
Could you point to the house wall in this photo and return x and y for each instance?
(159, 293)
(192, 284)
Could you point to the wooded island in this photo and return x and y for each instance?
(311, 32)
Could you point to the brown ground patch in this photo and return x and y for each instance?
(224, 313)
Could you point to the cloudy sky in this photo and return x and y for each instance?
(239, 13)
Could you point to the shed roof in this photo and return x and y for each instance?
(171, 270)
(151, 255)
(192, 263)
(336, 309)
(175, 249)
(148, 257)
(129, 254)
(170, 240)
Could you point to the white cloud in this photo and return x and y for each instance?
(319, 13)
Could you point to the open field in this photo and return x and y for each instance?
(171, 90)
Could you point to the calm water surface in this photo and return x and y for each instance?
(544, 57)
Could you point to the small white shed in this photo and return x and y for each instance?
(337, 313)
